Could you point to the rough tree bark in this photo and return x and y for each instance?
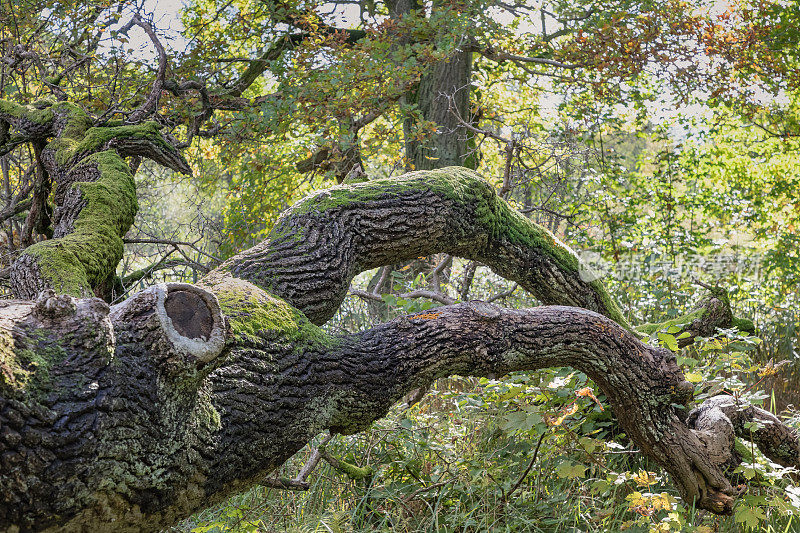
(131, 417)
(442, 97)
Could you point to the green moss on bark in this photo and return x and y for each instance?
(97, 137)
(84, 258)
(745, 325)
(255, 314)
(80, 138)
(352, 471)
(25, 370)
(456, 183)
(30, 112)
(466, 187)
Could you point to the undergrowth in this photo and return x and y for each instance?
(536, 452)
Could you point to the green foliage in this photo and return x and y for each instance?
(461, 458)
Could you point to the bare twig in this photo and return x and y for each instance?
(446, 262)
(528, 469)
(161, 264)
(466, 282)
(300, 481)
(431, 295)
(503, 294)
(151, 103)
(284, 484)
(169, 242)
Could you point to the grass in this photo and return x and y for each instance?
(459, 449)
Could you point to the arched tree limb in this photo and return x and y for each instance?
(132, 417)
(322, 242)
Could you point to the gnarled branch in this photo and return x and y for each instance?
(95, 194)
(133, 417)
(321, 243)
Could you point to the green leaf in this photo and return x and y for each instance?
(570, 470)
(668, 341)
(749, 516)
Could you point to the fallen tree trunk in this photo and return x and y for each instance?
(132, 417)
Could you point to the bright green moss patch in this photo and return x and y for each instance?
(350, 470)
(79, 138)
(455, 183)
(29, 112)
(256, 314)
(61, 267)
(84, 258)
(510, 224)
(96, 137)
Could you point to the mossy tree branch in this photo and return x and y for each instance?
(321, 243)
(133, 417)
(95, 195)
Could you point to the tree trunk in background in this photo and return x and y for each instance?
(446, 80)
(448, 146)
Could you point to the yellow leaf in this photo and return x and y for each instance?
(587, 393)
(693, 377)
(644, 478)
(566, 411)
